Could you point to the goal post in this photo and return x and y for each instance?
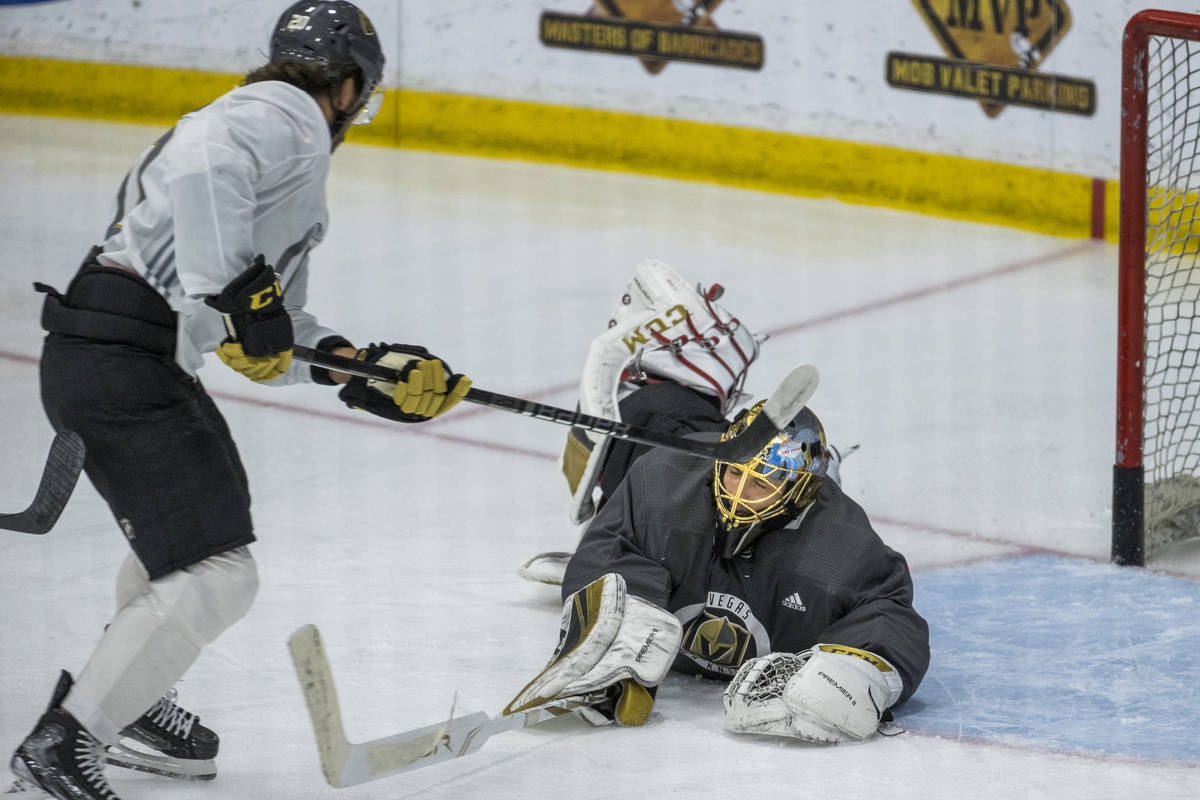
(1156, 474)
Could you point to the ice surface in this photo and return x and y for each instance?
(1064, 654)
(974, 364)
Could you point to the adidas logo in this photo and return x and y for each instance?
(794, 602)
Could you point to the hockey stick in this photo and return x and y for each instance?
(59, 476)
(781, 407)
(347, 764)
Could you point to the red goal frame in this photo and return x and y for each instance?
(1128, 536)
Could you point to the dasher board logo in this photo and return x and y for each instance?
(656, 31)
(994, 48)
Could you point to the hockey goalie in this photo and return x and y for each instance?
(763, 574)
(747, 564)
(755, 570)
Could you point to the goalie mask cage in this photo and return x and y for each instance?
(1156, 476)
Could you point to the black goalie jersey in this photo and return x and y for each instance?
(823, 577)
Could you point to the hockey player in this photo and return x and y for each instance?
(761, 573)
(207, 251)
(672, 360)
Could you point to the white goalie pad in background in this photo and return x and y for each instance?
(663, 329)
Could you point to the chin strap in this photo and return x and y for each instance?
(338, 123)
(734, 541)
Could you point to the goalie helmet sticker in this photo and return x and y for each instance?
(721, 633)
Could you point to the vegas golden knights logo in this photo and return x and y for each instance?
(656, 31)
(720, 633)
(717, 640)
(994, 49)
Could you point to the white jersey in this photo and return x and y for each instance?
(244, 175)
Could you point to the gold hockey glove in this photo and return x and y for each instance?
(260, 331)
(427, 389)
(256, 368)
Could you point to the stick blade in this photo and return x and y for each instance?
(790, 397)
(342, 762)
(63, 465)
(320, 695)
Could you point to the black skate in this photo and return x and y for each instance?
(185, 748)
(60, 757)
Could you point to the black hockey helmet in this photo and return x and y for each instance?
(328, 31)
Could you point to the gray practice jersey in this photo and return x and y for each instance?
(244, 175)
(825, 577)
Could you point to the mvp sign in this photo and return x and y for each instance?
(994, 48)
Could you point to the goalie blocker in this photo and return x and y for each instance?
(608, 639)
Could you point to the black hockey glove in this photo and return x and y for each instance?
(427, 387)
(260, 331)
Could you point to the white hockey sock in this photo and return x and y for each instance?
(156, 636)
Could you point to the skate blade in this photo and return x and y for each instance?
(548, 568)
(24, 785)
(24, 789)
(184, 769)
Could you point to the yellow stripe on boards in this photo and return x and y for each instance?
(1037, 200)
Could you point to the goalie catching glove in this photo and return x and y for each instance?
(608, 639)
(260, 331)
(427, 387)
(827, 694)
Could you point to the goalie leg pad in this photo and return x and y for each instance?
(581, 461)
(606, 636)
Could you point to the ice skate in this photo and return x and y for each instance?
(184, 748)
(60, 757)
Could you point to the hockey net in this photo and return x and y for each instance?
(1156, 493)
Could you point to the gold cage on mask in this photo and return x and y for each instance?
(785, 474)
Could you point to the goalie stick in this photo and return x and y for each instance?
(781, 407)
(59, 476)
(347, 764)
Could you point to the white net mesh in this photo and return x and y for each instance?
(1171, 416)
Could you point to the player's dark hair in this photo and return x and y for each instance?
(308, 76)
